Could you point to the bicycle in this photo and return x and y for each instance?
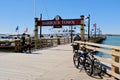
(24, 48)
(85, 59)
(97, 68)
(82, 60)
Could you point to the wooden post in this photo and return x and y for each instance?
(115, 59)
(58, 41)
(52, 39)
(68, 39)
(36, 33)
(19, 46)
(16, 45)
(82, 28)
(46, 41)
(64, 41)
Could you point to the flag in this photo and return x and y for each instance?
(87, 17)
(17, 28)
(26, 30)
(40, 19)
(92, 29)
(94, 25)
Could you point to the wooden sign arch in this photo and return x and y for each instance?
(58, 22)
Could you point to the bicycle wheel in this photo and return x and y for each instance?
(88, 65)
(76, 60)
(25, 48)
(80, 61)
(97, 68)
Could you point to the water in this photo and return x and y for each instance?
(111, 40)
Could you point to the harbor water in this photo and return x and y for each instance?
(110, 40)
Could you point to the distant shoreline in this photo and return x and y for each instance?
(54, 34)
(112, 34)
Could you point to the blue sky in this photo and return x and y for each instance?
(13, 13)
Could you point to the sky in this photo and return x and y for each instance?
(13, 13)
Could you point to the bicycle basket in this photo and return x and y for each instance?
(75, 47)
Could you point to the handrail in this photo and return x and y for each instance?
(108, 49)
(41, 43)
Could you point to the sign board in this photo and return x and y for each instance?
(58, 22)
(64, 22)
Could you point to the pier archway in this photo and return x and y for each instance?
(58, 22)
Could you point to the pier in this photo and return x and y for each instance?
(97, 39)
(52, 52)
(54, 63)
(60, 40)
(52, 58)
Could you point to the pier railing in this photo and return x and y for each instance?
(15, 45)
(7, 45)
(112, 62)
(48, 42)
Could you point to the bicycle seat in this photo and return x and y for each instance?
(93, 52)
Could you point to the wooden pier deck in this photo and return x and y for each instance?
(53, 63)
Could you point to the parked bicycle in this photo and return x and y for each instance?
(24, 48)
(85, 59)
(97, 68)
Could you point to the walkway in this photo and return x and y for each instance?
(47, 64)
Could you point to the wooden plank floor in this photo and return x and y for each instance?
(53, 63)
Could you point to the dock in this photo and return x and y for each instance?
(53, 63)
(97, 39)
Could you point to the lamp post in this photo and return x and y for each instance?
(71, 33)
(88, 26)
(95, 30)
(41, 26)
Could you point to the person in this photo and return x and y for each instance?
(76, 46)
(23, 42)
(28, 43)
(51, 36)
(77, 38)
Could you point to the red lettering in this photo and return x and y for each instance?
(57, 23)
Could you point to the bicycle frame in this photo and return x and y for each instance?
(82, 59)
(87, 60)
